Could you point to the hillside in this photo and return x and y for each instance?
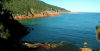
(25, 7)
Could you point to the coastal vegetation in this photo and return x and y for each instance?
(25, 7)
(4, 34)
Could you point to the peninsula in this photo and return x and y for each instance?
(26, 9)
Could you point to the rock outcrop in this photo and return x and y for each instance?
(41, 15)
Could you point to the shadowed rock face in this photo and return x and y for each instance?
(16, 31)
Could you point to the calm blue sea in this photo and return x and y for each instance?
(73, 28)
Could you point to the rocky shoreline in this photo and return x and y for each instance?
(41, 15)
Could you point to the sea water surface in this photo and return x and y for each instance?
(73, 28)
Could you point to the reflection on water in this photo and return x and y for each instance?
(74, 28)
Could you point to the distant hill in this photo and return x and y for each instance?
(23, 7)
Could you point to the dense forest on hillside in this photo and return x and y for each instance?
(23, 7)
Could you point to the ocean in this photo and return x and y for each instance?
(72, 28)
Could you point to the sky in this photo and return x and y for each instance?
(77, 5)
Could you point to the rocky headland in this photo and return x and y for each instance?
(40, 15)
